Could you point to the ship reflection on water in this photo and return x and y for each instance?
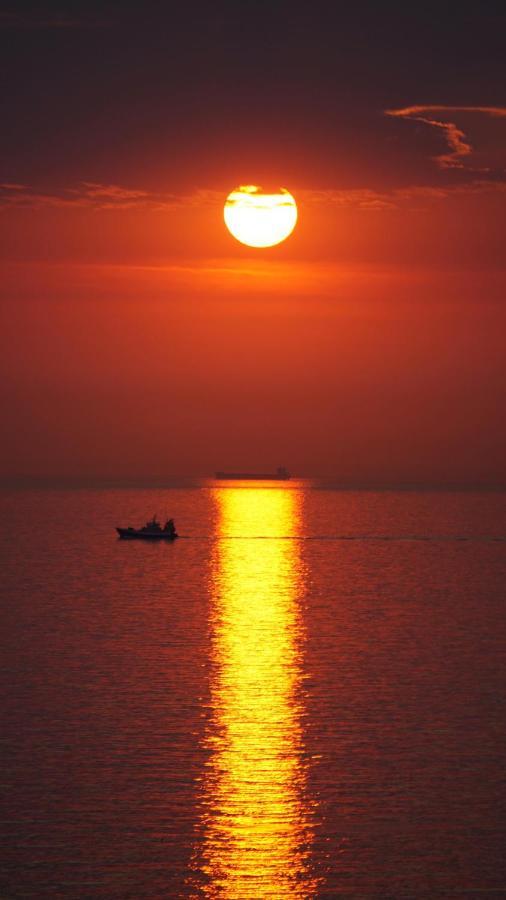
(255, 815)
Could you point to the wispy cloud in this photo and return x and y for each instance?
(95, 196)
(416, 197)
(98, 196)
(12, 186)
(111, 196)
(355, 198)
(459, 148)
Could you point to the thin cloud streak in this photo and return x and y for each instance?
(98, 196)
(103, 197)
(87, 195)
(409, 197)
(457, 142)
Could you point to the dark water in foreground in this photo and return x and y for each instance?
(301, 698)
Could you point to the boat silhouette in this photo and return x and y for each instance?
(151, 531)
(281, 474)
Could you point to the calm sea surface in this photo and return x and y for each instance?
(301, 698)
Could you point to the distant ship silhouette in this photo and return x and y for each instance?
(281, 474)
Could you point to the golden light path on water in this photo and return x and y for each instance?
(255, 820)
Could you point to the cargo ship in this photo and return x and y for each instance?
(281, 474)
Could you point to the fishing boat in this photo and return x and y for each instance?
(151, 531)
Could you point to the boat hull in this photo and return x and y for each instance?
(131, 534)
(250, 476)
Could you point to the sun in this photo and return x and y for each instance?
(260, 218)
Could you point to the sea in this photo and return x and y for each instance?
(302, 697)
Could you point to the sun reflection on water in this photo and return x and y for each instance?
(255, 818)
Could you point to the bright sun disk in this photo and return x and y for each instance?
(258, 218)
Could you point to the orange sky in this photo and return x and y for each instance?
(141, 342)
(372, 375)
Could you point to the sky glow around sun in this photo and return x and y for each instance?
(258, 218)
